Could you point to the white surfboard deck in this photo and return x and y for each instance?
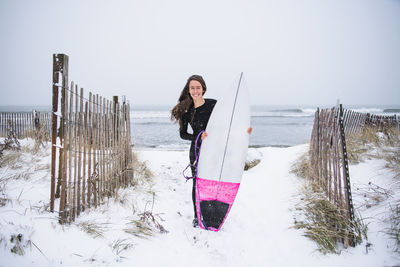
(223, 152)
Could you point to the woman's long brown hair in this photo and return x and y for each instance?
(185, 100)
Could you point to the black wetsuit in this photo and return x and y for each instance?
(198, 119)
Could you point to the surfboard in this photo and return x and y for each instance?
(222, 157)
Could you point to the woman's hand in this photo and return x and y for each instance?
(203, 136)
(249, 130)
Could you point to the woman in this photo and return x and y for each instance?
(193, 109)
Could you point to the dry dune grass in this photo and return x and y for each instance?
(321, 218)
(323, 222)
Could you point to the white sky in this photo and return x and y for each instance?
(291, 52)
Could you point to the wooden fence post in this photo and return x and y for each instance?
(346, 175)
(60, 66)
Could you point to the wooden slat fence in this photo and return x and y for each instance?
(328, 152)
(23, 124)
(355, 122)
(329, 162)
(92, 147)
(381, 121)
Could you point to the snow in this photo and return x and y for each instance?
(258, 231)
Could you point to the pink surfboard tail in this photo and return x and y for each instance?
(214, 200)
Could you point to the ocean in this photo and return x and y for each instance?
(278, 126)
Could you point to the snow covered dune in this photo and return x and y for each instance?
(257, 232)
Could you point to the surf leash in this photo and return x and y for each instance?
(196, 153)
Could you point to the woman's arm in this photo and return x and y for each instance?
(183, 130)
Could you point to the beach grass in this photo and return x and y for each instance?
(375, 143)
(322, 221)
(302, 167)
(325, 223)
(321, 218)
(141, 168)
(139, 229)
(12, 160)
(251, 164)
(380, 144)
(391, 151)
(394, 225)
(146, 224)
(372, 194)
(94, 229)
(121, 245)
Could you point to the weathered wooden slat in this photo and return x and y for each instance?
(90, 154)
(80, 153)
(64, 167)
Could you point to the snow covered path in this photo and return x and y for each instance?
(258, 230)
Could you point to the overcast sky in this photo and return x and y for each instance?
(291, 52)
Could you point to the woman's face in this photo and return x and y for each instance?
(195, 90)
